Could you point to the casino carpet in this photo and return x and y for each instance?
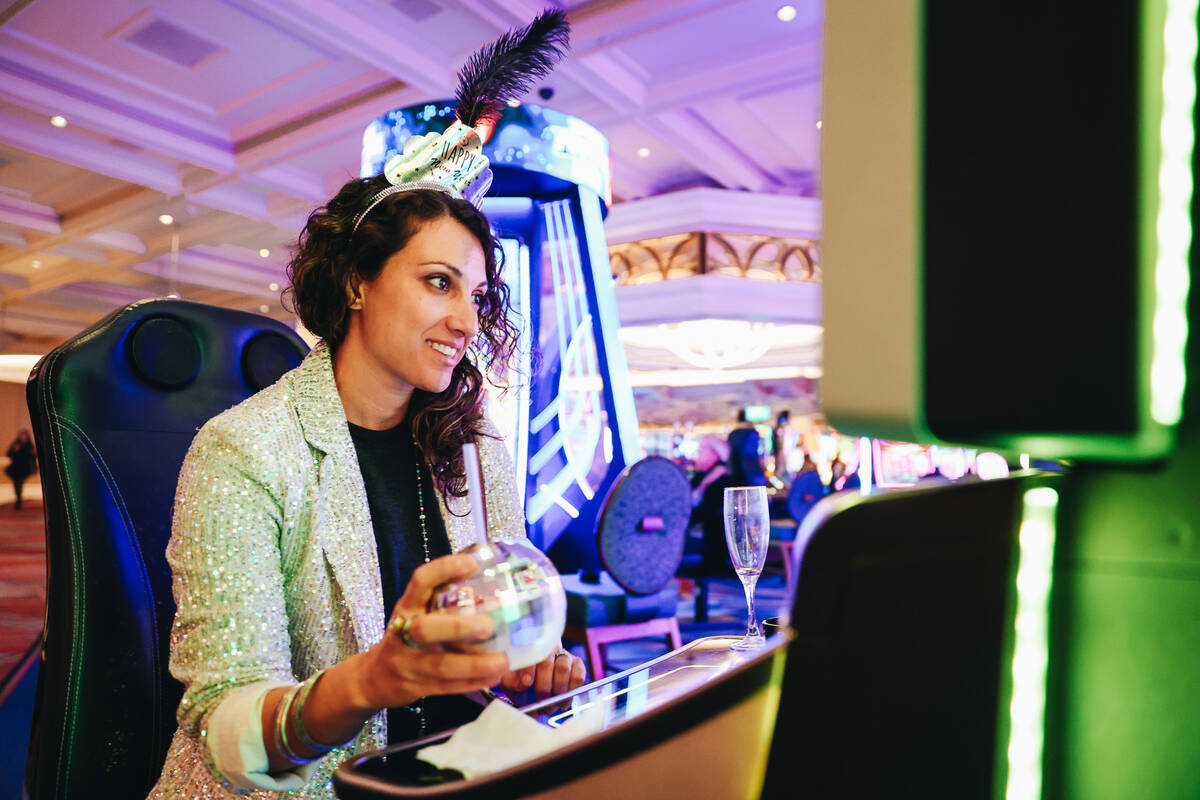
(22, 583)
(22, 604)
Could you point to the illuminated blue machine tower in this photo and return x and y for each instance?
(571, 424)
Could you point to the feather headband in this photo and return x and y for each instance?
(504, 70)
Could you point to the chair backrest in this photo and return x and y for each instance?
(641, 529)
(114, 410)
(807, 488)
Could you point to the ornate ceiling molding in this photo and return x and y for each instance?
(686, 255)
(706, 209)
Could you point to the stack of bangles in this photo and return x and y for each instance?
(294, 699)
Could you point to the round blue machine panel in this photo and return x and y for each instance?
(528, 136)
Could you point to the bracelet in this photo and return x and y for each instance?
(492, 696)
(302, 731)
(282, 711)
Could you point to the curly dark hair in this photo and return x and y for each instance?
(331, 256)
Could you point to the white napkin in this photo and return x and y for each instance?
(502, 737)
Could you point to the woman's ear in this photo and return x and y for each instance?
(353, 295)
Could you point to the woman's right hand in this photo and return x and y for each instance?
(412, 660)
(392, 672)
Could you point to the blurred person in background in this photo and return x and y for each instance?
(21, 463)
(783, 442)
(712, 476)
(745, 454)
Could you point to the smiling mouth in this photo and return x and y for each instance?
(445, 350)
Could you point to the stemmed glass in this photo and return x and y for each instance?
(748, 532)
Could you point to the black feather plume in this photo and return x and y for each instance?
(505, 69)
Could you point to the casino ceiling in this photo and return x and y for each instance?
(237, 117)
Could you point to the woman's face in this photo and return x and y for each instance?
(415, 319)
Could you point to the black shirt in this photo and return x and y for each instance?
(387, 460)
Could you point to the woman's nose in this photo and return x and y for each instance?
(465, 319)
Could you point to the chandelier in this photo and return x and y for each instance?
(717, 344)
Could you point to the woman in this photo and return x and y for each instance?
(335, 497)
(21, 463)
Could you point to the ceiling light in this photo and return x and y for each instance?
(15, 368)
(264, 308)
(786, 13)
(58, 121)
(644, 152)
(514, 103)
(818, 124)
(715, 344)
(274, 287)
(166, 219)
(264, 252)
(37, 264)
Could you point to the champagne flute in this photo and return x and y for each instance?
(747, 533)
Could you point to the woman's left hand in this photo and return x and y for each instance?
(559, 673)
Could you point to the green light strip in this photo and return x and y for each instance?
(1168, 374)
(1027, 711)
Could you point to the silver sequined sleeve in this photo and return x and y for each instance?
(230, 626)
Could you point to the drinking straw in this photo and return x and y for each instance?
(475, 490)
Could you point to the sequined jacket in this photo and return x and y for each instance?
(274, 561)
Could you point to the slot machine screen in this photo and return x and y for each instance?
(899, 464)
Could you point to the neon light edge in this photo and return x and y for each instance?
(1030, 644)
(1168, 375)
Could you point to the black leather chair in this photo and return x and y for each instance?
(114, 410)
(898, 673)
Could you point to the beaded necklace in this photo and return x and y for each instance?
(418, 707)
(488, 693)
(421, 498)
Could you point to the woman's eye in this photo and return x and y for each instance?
(440, 282)
(480, 300)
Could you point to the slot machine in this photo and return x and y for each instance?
(1030, 167)
(568, 416)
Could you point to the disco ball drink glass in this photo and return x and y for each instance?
(521, 591)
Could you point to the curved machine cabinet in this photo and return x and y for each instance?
(659, 718)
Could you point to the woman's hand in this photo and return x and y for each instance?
(399, 669)
(559, 673)
(412, 660)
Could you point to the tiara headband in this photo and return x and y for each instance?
(453, 161)
(406, 187)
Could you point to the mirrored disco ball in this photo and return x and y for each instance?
(521, 590)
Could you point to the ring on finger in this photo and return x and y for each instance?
(399, 626)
